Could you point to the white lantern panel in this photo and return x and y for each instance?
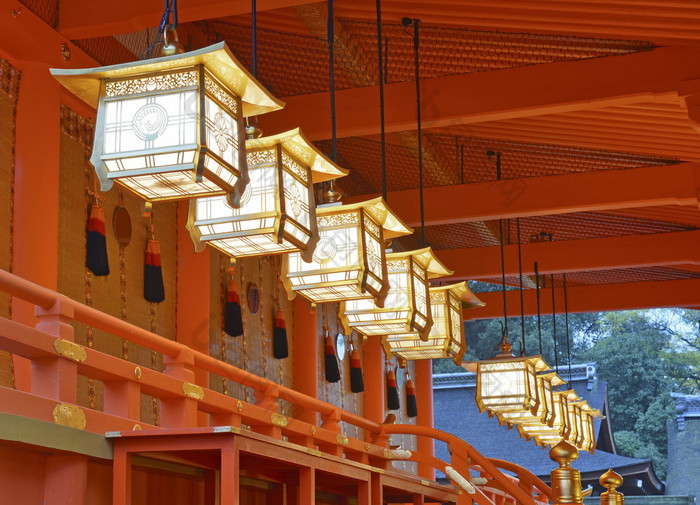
(296, 193)
(165, 121)
(253, 245)
(221, 132)
(503, 385)
(166, 185)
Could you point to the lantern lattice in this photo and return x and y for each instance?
(407, 304)
(349, 261)
(278, 209)
(446, 337)
(545, 434)
(172, 128)
(545, 404)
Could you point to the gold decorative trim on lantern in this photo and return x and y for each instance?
(545, 404)
(69, 350)
(69, 415)
(172, 128)
(278, 420)
(446, 337)
(192, 391)
(349, 261)
(407, 304)
(551, 435)
(278, 211)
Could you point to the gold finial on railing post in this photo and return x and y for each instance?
(566, 481)
(611, 481)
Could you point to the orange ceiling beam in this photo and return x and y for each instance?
(490, 96)
(662, 249)
(598, 298)
(81, 19)
(556, 194)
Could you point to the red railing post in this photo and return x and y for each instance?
(57, 377)
(267, 399)
(331, 421)
(181, 411)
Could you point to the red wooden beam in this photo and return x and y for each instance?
(598, 298)
(487, 96)
(556, 194)
(607, 253)
(80, 19)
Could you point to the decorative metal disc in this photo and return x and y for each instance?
(253, 298)
(326, 250)
(340, 346)
(121, 223)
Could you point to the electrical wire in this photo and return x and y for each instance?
(254, 38)
(169, 8)
(566, 317)
(331, 77)
(522, 303)
(539, 325)
(381, 94)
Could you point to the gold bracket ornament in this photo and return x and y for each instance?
(342, 440)
(69, 350)
(239, 406)
(315, 452)
(69, 415)
(192, 391)
(137, 372)
(278, 420)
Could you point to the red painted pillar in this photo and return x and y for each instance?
(305, 355)
(374, 377)
(66, 479)
(37, 157)
(193, 292)
(424, 398)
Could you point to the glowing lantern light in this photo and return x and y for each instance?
(349, 261)
(545, 434)
(278, 209)
(173, 127)
(407, 304)
(446, 337)
(544, 416)
(506, 383)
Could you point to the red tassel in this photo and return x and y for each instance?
(392, 391)
(96, 251)
(411, 406)
(233, 319)
(153, 289)
(280, 348)
(357, 384)
(332, 370)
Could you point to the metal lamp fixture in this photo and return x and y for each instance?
(349, 261)
(278, 208)
(545, 400)
(173, 127)
(545, 434)
(446, 337)
(407, 304)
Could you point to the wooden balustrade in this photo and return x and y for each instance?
(57, 361)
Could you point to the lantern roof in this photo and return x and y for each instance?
(461, 291)
(537, 361)
(377, 208)
(427, 258)
(294, 141)
(556, 380)
(217, 58)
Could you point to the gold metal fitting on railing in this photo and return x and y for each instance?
(566, 481)
(611, 481)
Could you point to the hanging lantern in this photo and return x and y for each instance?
(545, 434)
(446, 337)
(506, 383)
(278, 210)
(545, 405)
(407, 304)
(349, 261)
(172, 128)
(588, 415)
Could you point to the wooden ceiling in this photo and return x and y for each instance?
(592, 105)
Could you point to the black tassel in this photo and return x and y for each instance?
(280, 348)
(233, 319)
(411, 407)
(153, 289)
(357, 384)
(392, 391)
(96, 251)
(332, 369)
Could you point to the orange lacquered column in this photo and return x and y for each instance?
(305, 355)
(373, 372)
(424, 398)
(37, 159)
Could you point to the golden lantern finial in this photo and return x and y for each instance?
(566, 481)
(611, 481)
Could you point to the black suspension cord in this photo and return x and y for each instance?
(416, 45)
(254, 38)
(331, 75)
(503, 276)
(520, 272)
(566, 316)
(170, 7)
(381, 93)
(554, 326)
(539, 326)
